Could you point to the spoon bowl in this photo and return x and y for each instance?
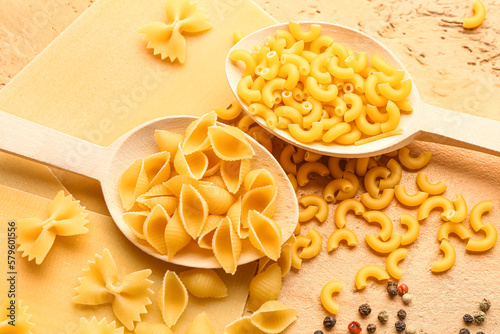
(107, 164)
(426, 122)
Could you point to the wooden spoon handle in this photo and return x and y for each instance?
(448, 127)
(39, 143)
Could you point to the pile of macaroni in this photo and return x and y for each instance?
(321, 90)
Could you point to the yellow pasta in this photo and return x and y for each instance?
(286, 160)
(22, 323)
(193, 210)
(395, 94)
(230, 113)
(132, 183)
(226, 245)
(432, 203)
(413, 163)
(307, 36)
(341, 234)
(335, 186)
(344, 207)
(300, 242)
(460, 211)
(200, 325)
(448, 258)
(172, 298)
(234, 173)
(392, 262)
(317, 201)
(244, 89)
(315, 247)
(176, 236)
(353, 179)
(265, 286)
(258, 109)
(409, 200)
(393, 179)
(320, 62)
(326, 296)
(245, 57)
(154, 229)
(93, 326)
(264, 234)
(478, 17)
(273, 317)
(175, 184)
(203, 283)
(306, 136)
(456, 228)
(357, 62)
(230, 143)
(383, 247)
(371, 177)
(371, 93)
(301, 63)
(482, 245)
(394, 117)
(308, 168)
(368, 271)
(195, 137)
(135, 221)
(382, 219)
(413, 229)
(194, 165)
(285, 260)
(293, 181)
(258, 178)
(430, 188)
(378, 203)
(370, 129)
(261, 199)
(218, 199)
(393, 79)
(168, 141)
(245, 122)
(336, 131)
(476, 213)
(308, 213)
(157, 168)
(242, 325)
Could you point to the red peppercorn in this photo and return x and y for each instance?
(402, 289)
(354, 327)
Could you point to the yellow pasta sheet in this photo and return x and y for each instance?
(48, 289)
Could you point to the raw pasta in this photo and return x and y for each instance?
(200, 325)
(172, 298)
(151, 328)
(265, 286)
(101, 327)
(226, 245)
(21, 324)
(203, 283)
(273, 317)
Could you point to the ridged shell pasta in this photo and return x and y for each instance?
(226, 245)
(213, 162)
(207, 233)
(175, 183)
(233, 173)
(196, 136)
(168, 141)
(22, 324)
(230, 143)
(218, 199)
(193, 210)
(261, 199)
(274, 317)
(169, 203)
(194, 164)
(172, 298)
(242, 325)
(285, 260)
(152, 328)
(133, 183)
(157, 168)
(200, 325)
(203, 283)
(154, 229)
(264, 234)
(234, 214)
(101, 327)
(176, 236)
(258, 178)
(265, 286)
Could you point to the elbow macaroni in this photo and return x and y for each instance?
(367, 271)
(326, 296)
(448, 259)
(319, 202)
(413, 229)
(341, 234)
(413, 163)
(478, 17)
(432, 189)
(344, 207)
(310, 167)
(409, 200)
(383, 247)
(315, 247)
(392, 262)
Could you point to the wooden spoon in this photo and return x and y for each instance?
(106, 164)
(426, 122)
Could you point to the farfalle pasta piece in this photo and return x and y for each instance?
(196, 136)
(193, 210)
(234, 173)
(194, 165)
(265, 286)
(226, 245)
(135, 221)
(102, 284)
(36, 236)
(157, 168)
(176, 236)
(20, 324)
(154, 229)
(152, 328)
(172, 298)
(200, 325)
(203, 283)
(274, 317)
(133, 183)
(101, 327)
(230, 143)
(264, 234)
(166, 39)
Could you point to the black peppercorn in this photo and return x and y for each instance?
(371, 328)
(319, 332)
(400, 326)
(392, 288)
(329, 322)
(364, 309)
(464, 331)
(468, 319)
(402, 314)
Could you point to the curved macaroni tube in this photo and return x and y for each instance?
(330, 122)
(318, 201)
(382, 219)
(299, 155)
(371, 177)
(344, 207)
(478, 17)
(378, 203)
(338, 50)
(308, 213)
(302, 64)
(230, 113)
(432, 203)
(351, 137)
(348, 88)
(476, 213)
(287, 36)
(336, 131)
(297, 92)
(293, 181)
(320, 94)
(301, 242)
(487, 242)
(342, 195)
(306, 36)
(448, 259)
(393, 120)
(319, 44)
(297, 230)
(286, 160)
(357, 61)
(376, 115)
(458, 229)
(334, 186)
(413, 229)
(326, 296)
(304, 108)
(273, 64)
(261, 136)
(432, 189)
(350, 165)
(362, 166)
(392, 262)
(383, 247)
(258, 83)
(310, 167)
(312, 156)
(321, 61)
(356, 106)
(392, 180)
(367, 271)
(306, 136)
(244, 91)
(460, 212)
(395, 94)
(379, 63)
(291, 72)
(393, 79)
(334, 166)
(413, 163)
(315, 247)
(339, 72)
(289, 112)
(258, 109)
(269, 88)
(404, 106)
(314, 115)
(297, 48)
(341, 234)
(245, 122)
(359, 85)
(370, 129)
(371, 93)
(247, 58)
(409, 200)
(283, 123)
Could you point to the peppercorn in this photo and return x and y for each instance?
(485, 305)
(410, 329)
(392, 288)
(371, 328)
(329, 322)
(402, 289)
(364, 309)
(479, 316)
(464, 331)
(383, 316)
(468, 319)
(354, 327)
(400, 326)
(407, 298)
(402, 314)
(318, 332)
